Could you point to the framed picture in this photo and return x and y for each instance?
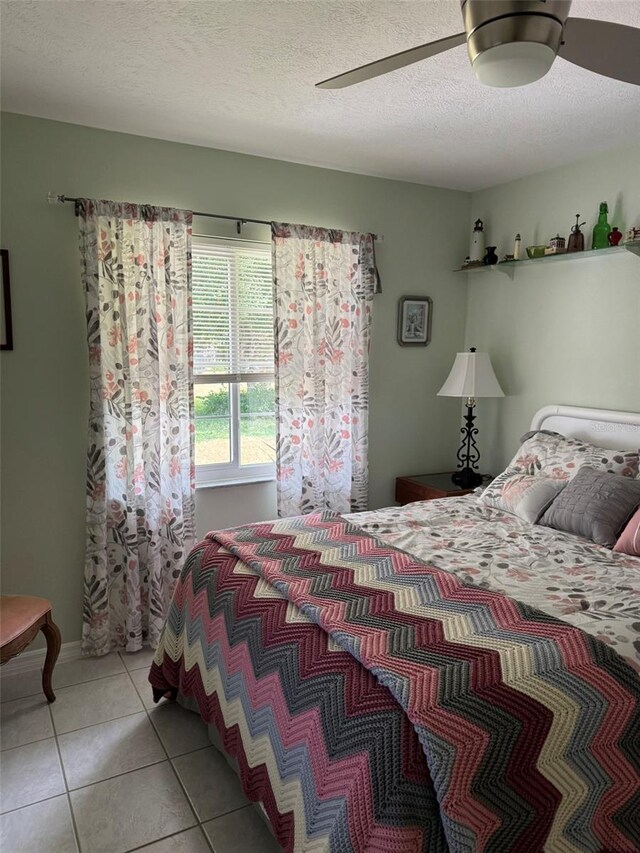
(6, 329)
(414, 321)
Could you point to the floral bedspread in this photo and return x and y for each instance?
(563, 575)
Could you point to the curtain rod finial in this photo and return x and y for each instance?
(55, 198)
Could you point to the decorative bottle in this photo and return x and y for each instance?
(576, 238)
(615, 236)
(477, 242)
(601, 229)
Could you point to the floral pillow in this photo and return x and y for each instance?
(552, 455)
(524, 495)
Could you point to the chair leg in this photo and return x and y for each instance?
(54, 641)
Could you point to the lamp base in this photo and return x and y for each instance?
(468, 454)
(467, 478)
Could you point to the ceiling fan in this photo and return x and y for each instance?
(514, 42)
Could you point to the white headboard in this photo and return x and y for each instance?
(605, 428)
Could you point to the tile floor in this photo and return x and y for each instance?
(104, 770)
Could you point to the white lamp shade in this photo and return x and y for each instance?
(471, 376)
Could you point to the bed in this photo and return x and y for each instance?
(438, 677)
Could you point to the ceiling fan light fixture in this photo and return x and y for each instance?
(513, 64)
(514, 42)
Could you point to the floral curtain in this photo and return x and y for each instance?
(324, 286)
(136, 269)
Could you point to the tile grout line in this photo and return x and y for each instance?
(171, 759)
(124, 772)
(36, 803)
(74, 684)
(74, 826)
(28, 742)
(173, 835)
(116, 775)
(200, 749)
(138, 690)
(17, 698)
(173, 769)
(88, 784)
(38, 691)
(67, 791)
(57, 735)
(101, 723)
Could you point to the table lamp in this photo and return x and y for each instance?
(471, 376)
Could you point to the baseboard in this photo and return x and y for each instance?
(34, 659)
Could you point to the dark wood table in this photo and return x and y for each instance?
(427, 487)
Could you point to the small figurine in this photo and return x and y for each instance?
(516, 247)
(477, 242)
(601, 229)
(490, 258)
(556, 246)
(576, 238)
(615, 236)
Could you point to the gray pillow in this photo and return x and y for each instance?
(595, 504)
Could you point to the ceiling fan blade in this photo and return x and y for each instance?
(612, 50)
(391, 63)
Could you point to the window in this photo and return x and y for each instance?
(234, 393)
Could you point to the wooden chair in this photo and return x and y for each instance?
(21, 617)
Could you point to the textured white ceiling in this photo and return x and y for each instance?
(239, 74)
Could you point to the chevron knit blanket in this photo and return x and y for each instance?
(375, 703)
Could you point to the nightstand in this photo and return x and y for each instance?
(427, 487)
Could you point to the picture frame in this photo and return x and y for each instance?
(414, 321)
(6, 325)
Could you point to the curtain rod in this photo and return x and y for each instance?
(56, 198)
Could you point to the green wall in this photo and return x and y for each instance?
(565, 333)
(44, 381)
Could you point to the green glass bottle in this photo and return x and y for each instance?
(601, 229)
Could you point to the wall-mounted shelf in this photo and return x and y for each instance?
(509, 267)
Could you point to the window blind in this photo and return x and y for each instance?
(232, 312)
